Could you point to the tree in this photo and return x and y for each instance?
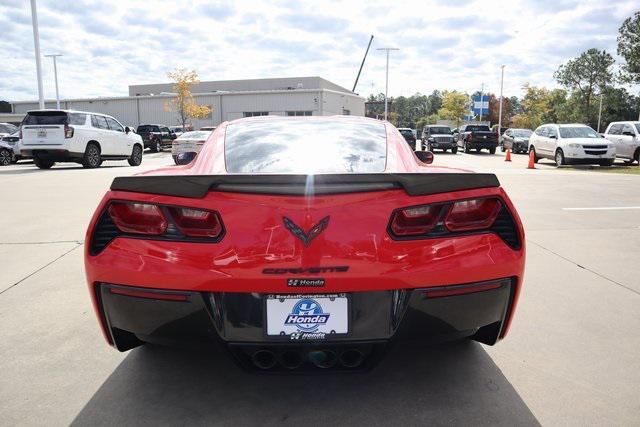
(183, 103)
(431, 119)
(536, 107)
(629, 48)
(587, 75)
(454, 106)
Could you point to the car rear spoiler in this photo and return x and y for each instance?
(197, 186)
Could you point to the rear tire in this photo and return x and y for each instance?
(43, 164)
(492, 150)
(559, 158)
(636, 156)
(466, 148)
(454, 150)
(535, 156)
(136, 156)
(154, 146)
(502, 148)
(6, 156)
(92, 158)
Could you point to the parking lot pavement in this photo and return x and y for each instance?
(571, 356)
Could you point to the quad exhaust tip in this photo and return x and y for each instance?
(323, 358)
(351, 358)
(293, 359)
(264, 359)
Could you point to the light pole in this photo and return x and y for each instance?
(500, 109)
(36, 42)
(386, 87)
(600, 112)
(481, 101)
(55, 74)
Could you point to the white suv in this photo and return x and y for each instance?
(626, 137)
(51, 136)
(571, 144)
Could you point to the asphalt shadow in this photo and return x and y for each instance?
(451, 384)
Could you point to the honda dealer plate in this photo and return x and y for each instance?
(307, 316)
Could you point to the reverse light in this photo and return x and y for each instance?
(68, 131)
(473, 214)
(415, 220)
(139, 218)
(196, 222)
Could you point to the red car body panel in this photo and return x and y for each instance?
(255, 239)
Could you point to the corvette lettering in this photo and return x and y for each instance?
(308, 270)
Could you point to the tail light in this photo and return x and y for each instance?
(196, 222)
(474, 214)
(159, 222)
(68, 131)
(416, 220)
(470, 136)
(457, 216)
(20, 133)
(138, 218)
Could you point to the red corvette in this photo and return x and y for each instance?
(305, 243)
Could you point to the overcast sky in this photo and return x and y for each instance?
(110, 44)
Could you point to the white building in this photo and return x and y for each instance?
(230, 99)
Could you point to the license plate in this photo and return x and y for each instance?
(42, 133)
(307, 316)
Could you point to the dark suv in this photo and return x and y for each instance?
(438, 136)
(156, 137)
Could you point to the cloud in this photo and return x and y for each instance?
(110, 44)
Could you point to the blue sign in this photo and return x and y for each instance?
(480, 105)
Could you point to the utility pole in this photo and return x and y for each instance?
(36, 42)
(386, 87)
(600, 112)
(481, 101)
(55, 74)
(500, 110)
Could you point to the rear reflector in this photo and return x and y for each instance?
(416, 220)
(447, 291)
(150, 294)
(474, 214)
(196, 222)
(140, 218)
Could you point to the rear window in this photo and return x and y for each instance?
(147, 128)
(478, 128)
(45, 118)
(406, 132)
(305, 147)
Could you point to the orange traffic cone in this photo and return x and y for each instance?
(531, 160)
(508, 158)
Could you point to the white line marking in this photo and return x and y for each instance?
(611, 208)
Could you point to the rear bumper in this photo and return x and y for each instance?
(237, 319)
(482, 144)
(56, 154)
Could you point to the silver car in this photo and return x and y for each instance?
(188, 142)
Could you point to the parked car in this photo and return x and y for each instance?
(571, 144)
(409, 136)
(189, 142)
(626, 138)
(476, 137)
(7, 129)
(517, 140)
(179, 130)
(293, 256)
(13, 140)
(156, 137)
(6, 153)
(51, 136)
(438, 136)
